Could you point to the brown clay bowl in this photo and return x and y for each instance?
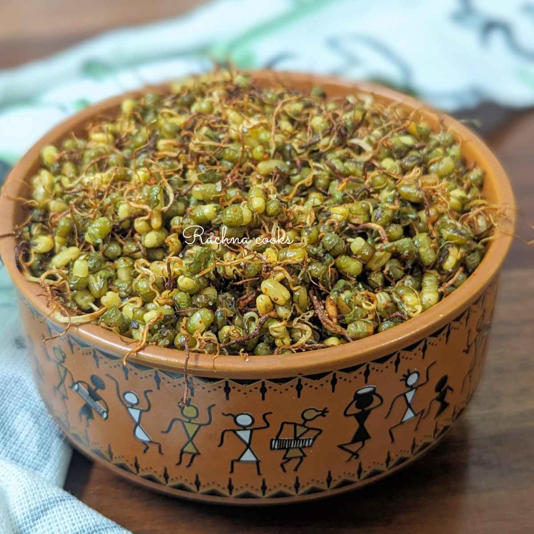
(265, 429)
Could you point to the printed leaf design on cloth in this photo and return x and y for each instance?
(96, 69)
(383, 64)
(80, 103)
(507, 23)
(239, 48)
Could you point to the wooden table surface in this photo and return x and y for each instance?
(480, 479)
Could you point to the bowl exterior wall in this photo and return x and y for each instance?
(260, 441)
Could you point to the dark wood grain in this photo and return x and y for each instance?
(479, 480)
(33, 29)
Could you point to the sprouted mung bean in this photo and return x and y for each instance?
(381, 218)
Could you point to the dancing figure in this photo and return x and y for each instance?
(93, 402)
(442, 389)
(191, 427)
(130, 401)
(244, 432)
(412, 383)
(295, 436)
(59, 357)
(365, 400)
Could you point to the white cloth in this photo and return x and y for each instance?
(33, 454)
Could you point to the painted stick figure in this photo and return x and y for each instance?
(442, 389)
(59, 357)
(365, 400)
(411, 381)
(294, 437)
(478, 346)
(130, 400)
(245, 422)
(191, 427)
(93, 402)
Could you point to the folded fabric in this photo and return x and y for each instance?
(34, 456)
(31, 504)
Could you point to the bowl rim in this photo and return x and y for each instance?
(304, 363)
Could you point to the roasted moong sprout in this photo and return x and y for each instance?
(234, 219)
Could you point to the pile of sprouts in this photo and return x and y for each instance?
(225, 217)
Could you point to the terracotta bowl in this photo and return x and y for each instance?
(265, 429)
